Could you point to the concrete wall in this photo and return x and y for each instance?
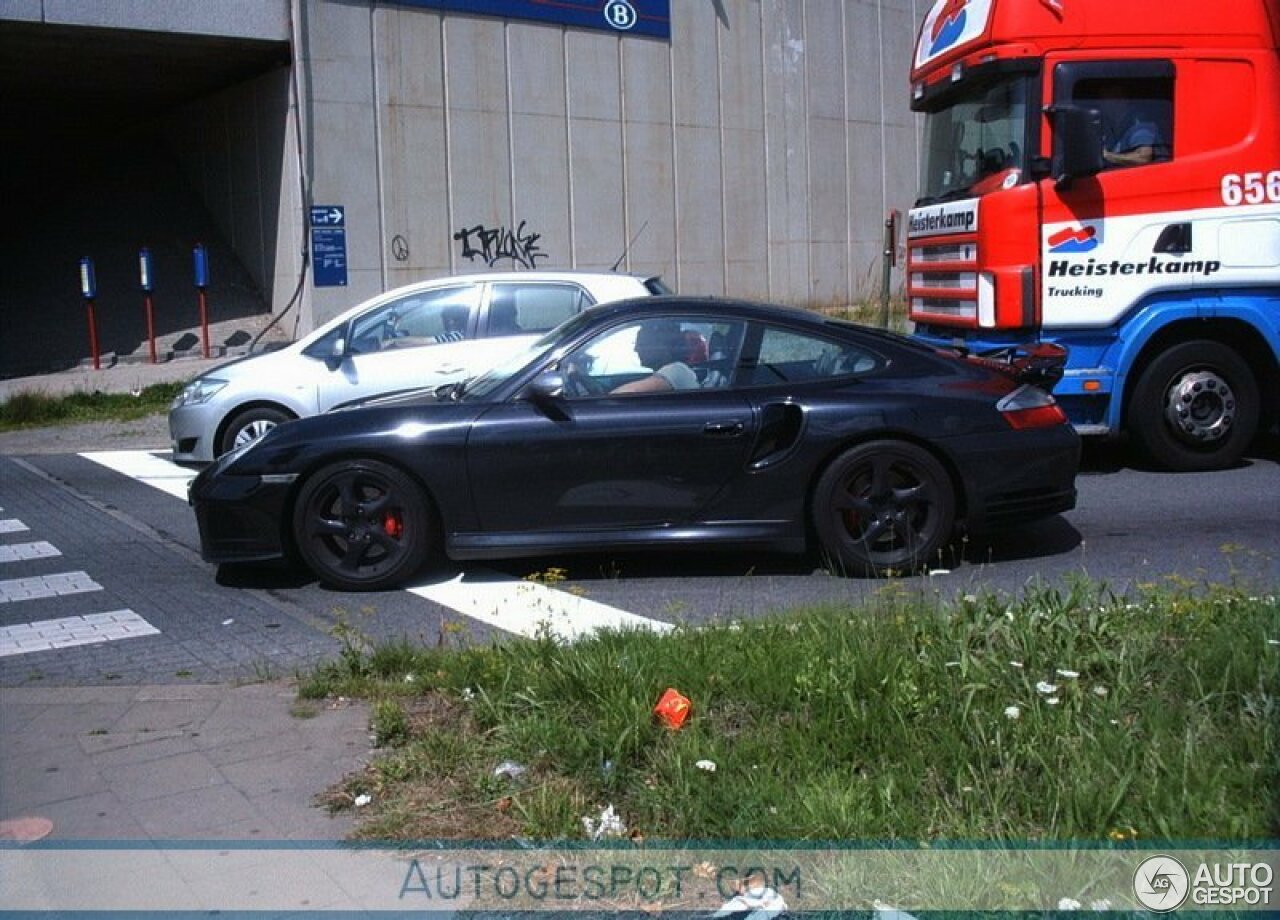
(257, 19)
(755, 154)
(239, 150)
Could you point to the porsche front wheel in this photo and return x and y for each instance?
(362, 525)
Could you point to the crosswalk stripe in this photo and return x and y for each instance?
(529, 608)
(21, 552)
(39, 587)
(146, 467)
(66, 632)
(13, 525)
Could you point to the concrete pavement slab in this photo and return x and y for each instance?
(183, 762)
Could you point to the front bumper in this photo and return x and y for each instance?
(192, 429)
(241, 518)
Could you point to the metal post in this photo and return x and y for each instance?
(201, 259)
(890, 260)
(89, 290)
(144, 278)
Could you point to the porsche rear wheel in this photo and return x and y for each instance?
(883, 508)
(362, 525)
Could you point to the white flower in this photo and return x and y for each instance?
(1045, 687)
(409, 678)
(1069, 675)
(1100, 691)
(1012, 712)
(363, 799)
(1068, 904)
(708, 765)
(1053, 701)
(468, 694)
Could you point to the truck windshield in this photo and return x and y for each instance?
(975, 141)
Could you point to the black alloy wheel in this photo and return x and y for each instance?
(883, 508)
(362, 525)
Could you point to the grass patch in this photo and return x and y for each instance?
(1064, 714)
(37, 410)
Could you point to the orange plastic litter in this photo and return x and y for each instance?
(673, 708)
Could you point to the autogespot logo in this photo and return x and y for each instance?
(1161, 883)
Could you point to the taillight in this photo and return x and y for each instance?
(1031, 407)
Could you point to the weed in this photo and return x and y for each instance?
(1070, 711)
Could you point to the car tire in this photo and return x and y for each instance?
(362, 525)
(1195, 408)
(882, 508)
(249, 425)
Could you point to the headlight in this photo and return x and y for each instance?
(198, 391)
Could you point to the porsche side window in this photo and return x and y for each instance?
(786, 356)
(689, 353)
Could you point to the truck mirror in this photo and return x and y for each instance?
(1077, 142)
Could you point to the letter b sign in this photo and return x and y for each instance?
(620, 14)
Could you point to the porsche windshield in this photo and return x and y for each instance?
(975, 141)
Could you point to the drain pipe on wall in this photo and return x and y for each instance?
(296, 33)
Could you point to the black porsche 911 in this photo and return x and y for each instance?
(660, 423)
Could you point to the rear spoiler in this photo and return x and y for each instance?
(1040, 364)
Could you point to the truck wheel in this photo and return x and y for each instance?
(250, 425)
(1195, 408)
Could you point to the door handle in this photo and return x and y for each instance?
(723, 429)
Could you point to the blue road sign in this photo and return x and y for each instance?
(628, 17)
(329, 245)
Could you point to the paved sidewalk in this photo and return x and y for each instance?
(122, 377)
(188, 762)
(168, 762)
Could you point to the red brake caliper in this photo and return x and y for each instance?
(393, 526)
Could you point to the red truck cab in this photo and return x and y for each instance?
(1106, 176)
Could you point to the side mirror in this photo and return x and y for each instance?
(546, 386)
(339, 348)
(1077, 142)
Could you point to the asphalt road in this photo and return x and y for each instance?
(101, 545)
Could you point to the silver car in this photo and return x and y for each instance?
(424, 334)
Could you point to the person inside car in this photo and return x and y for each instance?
(662, 345)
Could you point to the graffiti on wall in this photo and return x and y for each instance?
(496, 244)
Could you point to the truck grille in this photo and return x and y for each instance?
(943, 282)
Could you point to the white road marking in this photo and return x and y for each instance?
(13, 525)
(21, 552)
(528, 608)
(42, 586)
(45, 635)
(146, 467)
